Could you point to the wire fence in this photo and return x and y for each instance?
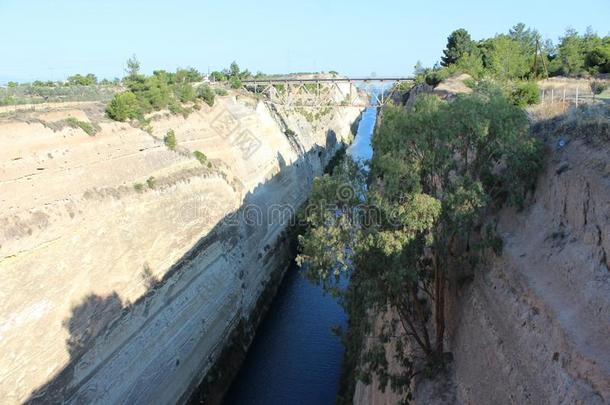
(571, 95)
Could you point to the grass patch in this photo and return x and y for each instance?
(89, 128)
(139, 187)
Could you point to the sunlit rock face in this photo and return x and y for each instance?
(125, 265)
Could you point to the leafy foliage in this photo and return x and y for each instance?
(459, 44)
(201, 157)
(525, 93)
(123, 106)
(520, 55)
(206, 93)
(436, 172)
(170, 139)
(80, 80)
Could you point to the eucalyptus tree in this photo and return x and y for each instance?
(436, 172)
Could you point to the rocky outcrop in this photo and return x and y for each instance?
(126, 265)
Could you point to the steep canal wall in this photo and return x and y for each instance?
(126, 265)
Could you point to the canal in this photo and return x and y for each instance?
(295, 358)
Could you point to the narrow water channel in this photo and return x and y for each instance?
(295, 358)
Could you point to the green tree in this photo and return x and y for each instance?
(133, 67)
(123, 106)
(598, 59)
(235, 83)
(434, 174)
(505, 58)
(234, 70)
(184, 92)
(570, 58)
(80, 80)
(458, 44)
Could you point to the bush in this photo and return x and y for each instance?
(170, 139)
(598, 87)
(525, 94)
(85, 126)
(151, 182)
(139, 187)
(184, 92)
(80, 80)
(220, 91)
(201, 157)
(218, 76)
(235, 83)
(205, 93)
(123, 106)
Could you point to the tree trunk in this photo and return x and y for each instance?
(439, 312)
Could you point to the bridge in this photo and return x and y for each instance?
(328, 91)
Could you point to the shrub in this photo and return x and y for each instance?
(525, 93)
(184, 92)
(218, 76)
(235, 83)
(123, 106)
(220, 91)
(85, 126)
(170, 139)
(201, 157)
(189, 75)
(151, 182)
(598, 87)
(205, 93)
(139, 187)
(80, 80)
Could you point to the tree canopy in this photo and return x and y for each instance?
(418, 222)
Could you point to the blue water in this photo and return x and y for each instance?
(295, 358)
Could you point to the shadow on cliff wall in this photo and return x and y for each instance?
(96, 315)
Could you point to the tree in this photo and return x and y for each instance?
(80, 80)
(123, 106)
(133, 67)
(525, 37)
(570, 55)
(434, 174)
(234, 70)
(458, 44)
(598, 59)
(505, 58)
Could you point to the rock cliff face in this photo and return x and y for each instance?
(126, 265)
(534, 326)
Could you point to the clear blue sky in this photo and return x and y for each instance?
(52, 39)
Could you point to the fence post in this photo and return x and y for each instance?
(577, 95)
(552, 95)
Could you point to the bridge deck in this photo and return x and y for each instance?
(327, 80)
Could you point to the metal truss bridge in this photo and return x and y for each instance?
(319, 92)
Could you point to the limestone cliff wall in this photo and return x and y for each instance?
(534, 325)
(121, 293)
